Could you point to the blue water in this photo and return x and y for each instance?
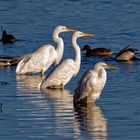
(31, 114)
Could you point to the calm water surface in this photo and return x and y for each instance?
(28, 113)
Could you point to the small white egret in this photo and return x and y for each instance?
(68, 68)
(126, 54)
(42, 58)
(92, 83)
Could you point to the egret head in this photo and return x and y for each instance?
(81, 34)
(61, 28)
(101, 65)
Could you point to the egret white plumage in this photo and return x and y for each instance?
(68, 68)
(42, 58)
(92, 83)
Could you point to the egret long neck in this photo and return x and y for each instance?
(77, 54)
(60, 46)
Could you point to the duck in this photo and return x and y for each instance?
(127, 54)
(7, 38)
(96, 51)
(9, 61)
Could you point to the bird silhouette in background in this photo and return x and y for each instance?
(96, 51)
(7, 38)
(9, 61)
(127, 54)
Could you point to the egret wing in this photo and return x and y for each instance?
(23, 61)
(38, 61)
(86, 85)
(61, 74)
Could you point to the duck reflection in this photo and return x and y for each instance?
(90, 122)
(28, 82)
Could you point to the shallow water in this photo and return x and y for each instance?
(28, 113)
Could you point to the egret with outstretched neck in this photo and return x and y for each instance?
(42, 58)
(68, 68)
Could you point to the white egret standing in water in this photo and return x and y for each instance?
(92, 83)
(41, 59)
(68, 68)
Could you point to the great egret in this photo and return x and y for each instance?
(97, 51)
(92, 83)
(126, 54)
(41, 59)
(7, 38)
(68, 68)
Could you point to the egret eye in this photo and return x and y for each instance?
(63, 29)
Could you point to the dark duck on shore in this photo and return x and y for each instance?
(96, 51)
(127, 54)
(7, 38)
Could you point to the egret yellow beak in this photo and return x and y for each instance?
(70, 30)
(85, 34)
(110, 67)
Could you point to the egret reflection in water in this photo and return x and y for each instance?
(50, 111)
(54, 108)
(56, 96)
(60, 102)
(90, 121)
(28, 82)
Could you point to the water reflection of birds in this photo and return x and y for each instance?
(60, 106)
(1, 107)
(58, 96)
(96, 51)
(89, 121)
(42, 58)
(28, 82)
(127, 54)
(92, 83)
